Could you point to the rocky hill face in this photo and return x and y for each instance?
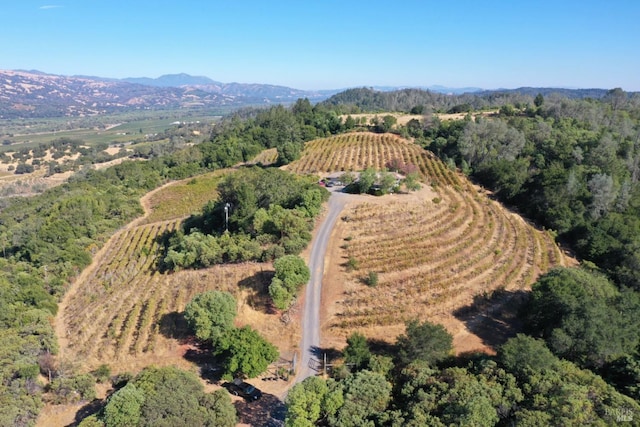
(30, 94)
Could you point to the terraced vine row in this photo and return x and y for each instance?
(360, 150)
(432, 256)
(440, 258)
(123, 304)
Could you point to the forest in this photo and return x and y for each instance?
(570, 165)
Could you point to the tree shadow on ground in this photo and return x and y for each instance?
(87, 410)
(268, 411)
(258, 287)
(201, 354)
(494, 317)
(332, 354)
(163, 243)
(382, 348)
(174, 325)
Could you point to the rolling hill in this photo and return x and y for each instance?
(33, 94)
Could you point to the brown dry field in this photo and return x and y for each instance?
(403, 118)
(495, 254)
(25, 184)
(475, 328)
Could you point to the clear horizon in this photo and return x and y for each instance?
(332, 45)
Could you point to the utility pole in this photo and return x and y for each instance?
(226, 216)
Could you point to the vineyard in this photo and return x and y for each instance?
(433, 252)
(357, 151)
(126, 311)
(183, 198)
(431, 255)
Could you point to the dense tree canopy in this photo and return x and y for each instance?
(577, 173)
(424, 341)
(583, 317)
(291, 274)
(211, 314)
(268, 213)
(245, 352)
(168, 397)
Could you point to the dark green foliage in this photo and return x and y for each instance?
(92, 421)
(269, 214)
(245, 353)
(366, 180)
(211, 314)
(524, 355)
(23, 168)
(47, 239)
(366, 395)
(357, 352)
(458, 396)
(312, 400)
(538, 101)
(424, 341)
(73, 389)
(124, 407)
(418, 109)
(371, 279)
(219, 408)
(102, 374)
(583, 317)
(624, 374)
(168, 397)
(384, 125)
(291, 274)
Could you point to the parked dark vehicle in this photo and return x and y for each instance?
(243, 389)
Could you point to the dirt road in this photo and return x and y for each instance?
(310, 343)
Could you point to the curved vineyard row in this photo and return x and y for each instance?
(432, 257)
(358, 151)
(123, 309)
(441, 257)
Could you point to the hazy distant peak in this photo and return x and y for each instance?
(173, 80)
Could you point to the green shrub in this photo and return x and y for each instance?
(352, 264)
(371, 279)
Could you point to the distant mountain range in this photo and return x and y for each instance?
(31, 94)
(38, 94)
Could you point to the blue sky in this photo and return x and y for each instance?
(328, 44)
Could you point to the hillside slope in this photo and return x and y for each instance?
(447, 253)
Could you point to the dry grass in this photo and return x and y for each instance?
(403, 119)
(182, 198)
(129, 313)
(266, 157)
(437, 253)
